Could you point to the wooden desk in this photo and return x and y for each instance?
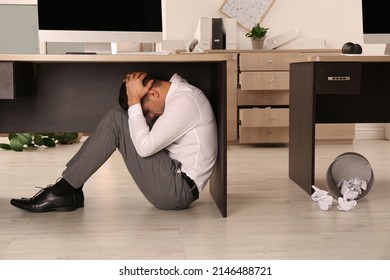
(65, 93)
(332, 89)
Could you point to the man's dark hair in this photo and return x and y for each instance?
(122, 98)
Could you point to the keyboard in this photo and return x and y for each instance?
(146, 53)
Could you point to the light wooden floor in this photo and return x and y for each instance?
(269, 217)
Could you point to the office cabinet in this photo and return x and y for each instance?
(263, 98)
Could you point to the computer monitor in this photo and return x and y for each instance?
(376, 23)
(100, 23)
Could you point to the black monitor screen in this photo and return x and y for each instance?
(142, 16)
(376, 18)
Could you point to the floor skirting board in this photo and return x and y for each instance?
(370, 131)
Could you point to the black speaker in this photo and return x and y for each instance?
(351, 48)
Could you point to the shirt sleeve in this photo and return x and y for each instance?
(179, 117)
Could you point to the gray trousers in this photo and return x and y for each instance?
(156, 176)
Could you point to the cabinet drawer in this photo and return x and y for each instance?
(264, 80)
(265, 61)
(268, 117)
(263, 135)
(338, 78)
(262, 97)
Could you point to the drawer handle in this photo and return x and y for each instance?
(270, 61)
(272, 80)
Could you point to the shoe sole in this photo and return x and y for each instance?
(58, 209)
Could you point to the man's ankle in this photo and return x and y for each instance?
(62, 188)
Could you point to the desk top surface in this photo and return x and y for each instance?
(182, 57)
(340, 58)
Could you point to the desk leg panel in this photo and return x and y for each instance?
(302, 125)
(218, 100)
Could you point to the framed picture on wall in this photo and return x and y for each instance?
(247, 12)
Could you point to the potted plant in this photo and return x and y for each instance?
(257, 34)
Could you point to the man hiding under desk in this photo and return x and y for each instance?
(171, 159)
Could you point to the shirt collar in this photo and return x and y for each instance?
(175, 80)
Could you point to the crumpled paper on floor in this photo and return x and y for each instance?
(325, 201)
(322, 198)
(346, 205)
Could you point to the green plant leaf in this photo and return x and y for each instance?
(50, 135)
(60, 138)
(24, 138)
(11, 135)
(16, 145)
(71, 136)
(257, 31)
(5, 146)
(38, 140)
(66, 138)
(18, 141)
(49, 142)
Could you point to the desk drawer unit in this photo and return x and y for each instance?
(264, 82)
(342, 78)
(350, 88)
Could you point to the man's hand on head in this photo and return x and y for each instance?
(134, 87)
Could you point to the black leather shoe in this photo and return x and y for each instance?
(45, 201)
(79, 195)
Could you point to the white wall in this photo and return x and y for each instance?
(333, 20)
(336, 21)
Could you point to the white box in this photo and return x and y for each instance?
(231, 33)
(203, 33)
(281, 39)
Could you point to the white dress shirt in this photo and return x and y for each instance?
(187, 130)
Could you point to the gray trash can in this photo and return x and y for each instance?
(348, 166)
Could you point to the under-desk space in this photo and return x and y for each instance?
(71, 93)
